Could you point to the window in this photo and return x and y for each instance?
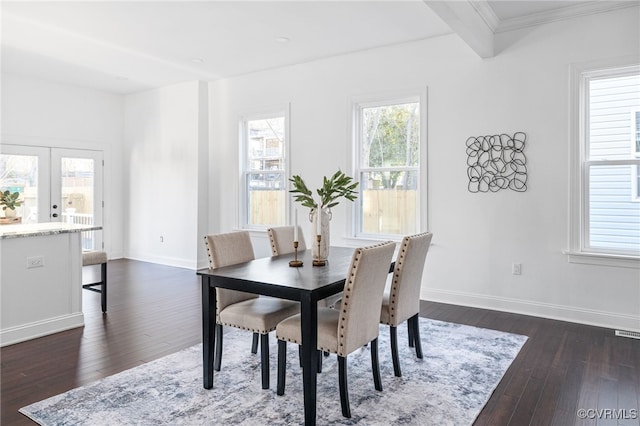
(389, 140)
(608, 209)
(264, 170)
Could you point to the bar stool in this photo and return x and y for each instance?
(97, 258)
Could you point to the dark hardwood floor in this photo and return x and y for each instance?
(154, 310)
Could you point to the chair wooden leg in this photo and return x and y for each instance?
(264, 354)
(393, 332)
(103, 287)
(344, 393)
(282, 366)
(218, 355)
(375, 365)
(254, 344)
(416, 334)
(410, 333)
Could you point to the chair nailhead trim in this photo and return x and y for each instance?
(254, 330)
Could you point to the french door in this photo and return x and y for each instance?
(56, 185)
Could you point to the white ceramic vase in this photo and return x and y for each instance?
(321, 251)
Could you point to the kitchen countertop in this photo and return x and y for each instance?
(42, 229)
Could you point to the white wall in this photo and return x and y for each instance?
(166, 139)
(476, 236)
(41, 113)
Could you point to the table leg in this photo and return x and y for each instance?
(309, 324)
(208, 330)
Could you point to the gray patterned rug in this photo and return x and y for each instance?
(461, 367)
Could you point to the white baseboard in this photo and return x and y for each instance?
(33, 330)
(593, 317)
(203, 263)
(162, 260)
(116, 255)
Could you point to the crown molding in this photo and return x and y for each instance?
(486, 13)
(560, 14)
(466, 20)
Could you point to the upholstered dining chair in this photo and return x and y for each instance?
(281, 241)
(242, 310)
(354, 325)
(402, 301)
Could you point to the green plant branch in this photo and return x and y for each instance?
(338, 186)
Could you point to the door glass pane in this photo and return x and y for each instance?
(19, 173)
(78, 181)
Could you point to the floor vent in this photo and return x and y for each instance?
(631, 334)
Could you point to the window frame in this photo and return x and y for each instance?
(580, 164)
(244, 169)
(635, 152)
(356, 104)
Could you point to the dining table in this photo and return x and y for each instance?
(272, 276)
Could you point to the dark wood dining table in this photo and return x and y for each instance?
(272, 276)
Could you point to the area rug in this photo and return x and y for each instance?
(462, 366)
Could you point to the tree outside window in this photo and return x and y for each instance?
(388, 164)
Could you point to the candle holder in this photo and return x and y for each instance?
(295, 263)
(318, 261)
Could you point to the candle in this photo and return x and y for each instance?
(295, 225)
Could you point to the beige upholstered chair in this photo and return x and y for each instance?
(281, 241)
(244, 310)
(354, 325)
(402, 301)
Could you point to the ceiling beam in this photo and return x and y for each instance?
(473, 21)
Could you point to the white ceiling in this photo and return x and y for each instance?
(127, 46)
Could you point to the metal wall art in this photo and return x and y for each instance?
(497, 162)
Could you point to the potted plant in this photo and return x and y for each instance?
(338, 186)
(9, 201)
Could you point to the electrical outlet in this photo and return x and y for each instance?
(35, 261)
(161, 239)
(516, 268)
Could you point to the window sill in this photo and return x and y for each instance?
(620, 261)
(371, 239)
